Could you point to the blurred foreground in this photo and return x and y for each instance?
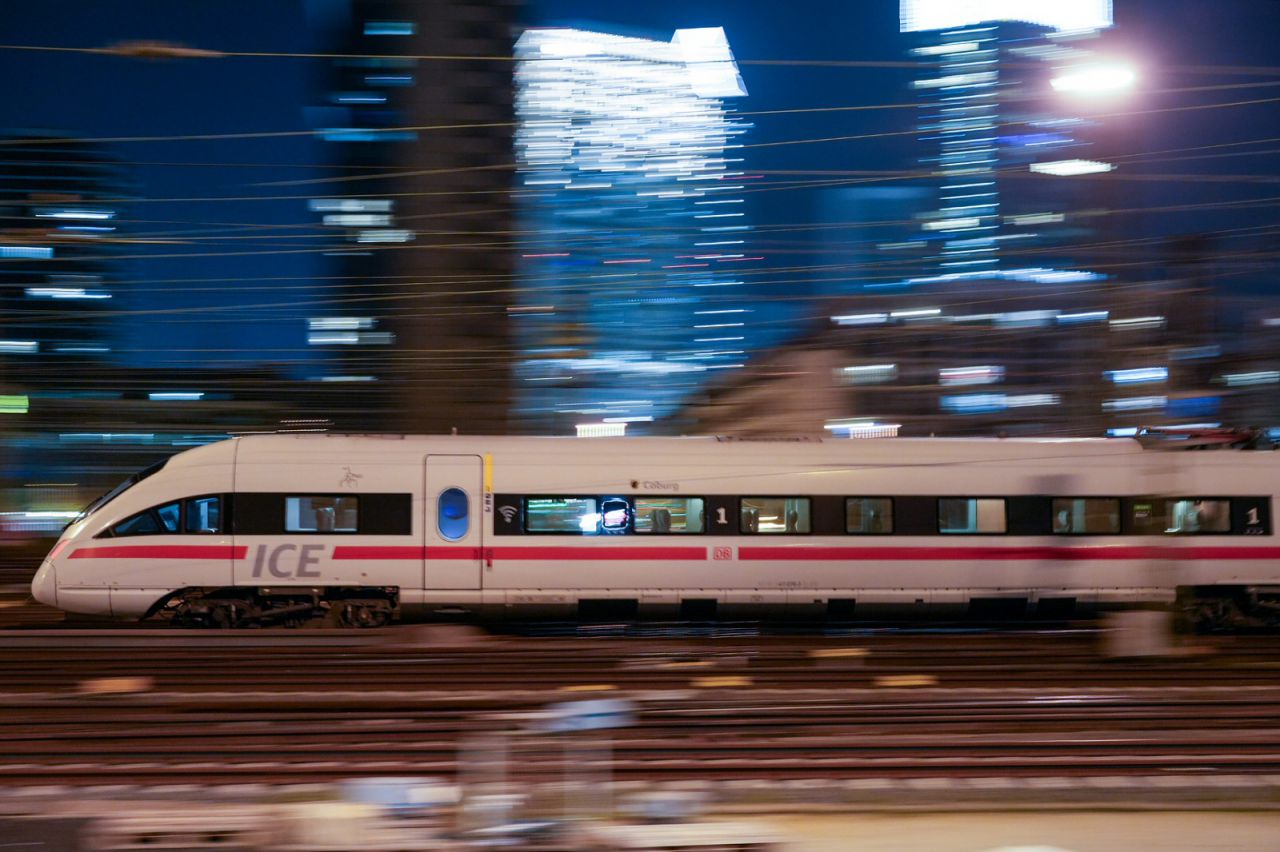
(444, 738)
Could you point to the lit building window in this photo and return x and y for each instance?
(869, 374)
(984, 375)
(1139, 375)
(1136, 403)
(389, 28)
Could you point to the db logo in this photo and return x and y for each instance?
(722, 553)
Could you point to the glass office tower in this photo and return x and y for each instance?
(634, 234)
(1010, 148)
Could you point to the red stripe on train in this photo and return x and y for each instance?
(1063, 554)
(162, 551)
(604, 553)
(373, 553)
(799, 553)
(522, 553)
(453, 553)
(1224, 553)
(355, 552)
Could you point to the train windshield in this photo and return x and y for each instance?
(119, 489)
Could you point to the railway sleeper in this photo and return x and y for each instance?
(333, 606)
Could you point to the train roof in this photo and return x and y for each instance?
(295, 445)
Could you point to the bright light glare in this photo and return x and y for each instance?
(1095, 79)
(916, 15)
(1070, 168)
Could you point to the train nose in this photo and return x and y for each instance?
(44, 586)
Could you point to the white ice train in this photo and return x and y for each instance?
(360, 530)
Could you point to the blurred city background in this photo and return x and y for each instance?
(888, 217)
(838, 219)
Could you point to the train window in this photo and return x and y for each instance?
(868, 515)
(561, 515)
(452, 507)
(143, 523)
(158, 520)
(615, 514)
(1086, 515)
(1146, 517)
(774, 515)
(319, 514)
(203, 515)
(1187, 516)
(670, 515)
(973, 515)
(170, 515)
(1199, 516)
(120, 489)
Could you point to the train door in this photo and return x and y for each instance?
(454, 522)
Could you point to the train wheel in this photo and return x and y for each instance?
(224, 617)
(191, 617)
(365, 614)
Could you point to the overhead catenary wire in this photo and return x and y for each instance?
(1264, 201)
(314, 132)
(509, 58)
(368, 300)
(386, 171)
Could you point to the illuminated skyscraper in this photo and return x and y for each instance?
(635, 228)
(1012, 326)
(1002, 131)
(59, 201)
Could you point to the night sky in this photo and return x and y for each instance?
(1172, 42)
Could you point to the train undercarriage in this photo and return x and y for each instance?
(1212, 608)
(1197, 608)
(233, 607)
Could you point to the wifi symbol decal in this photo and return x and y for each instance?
(508, 513)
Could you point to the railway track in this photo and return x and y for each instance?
(299, 659)
(273, 706)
